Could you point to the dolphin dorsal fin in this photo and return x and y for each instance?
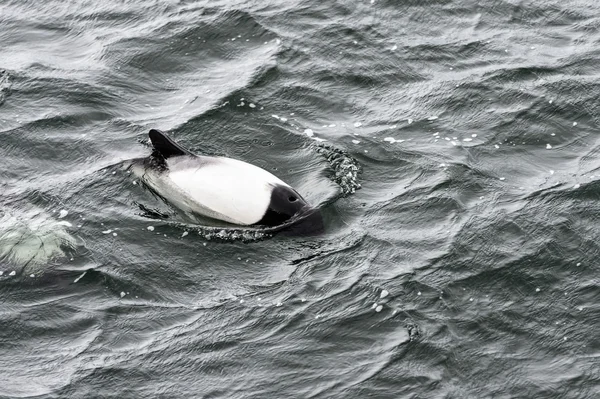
(165, 146)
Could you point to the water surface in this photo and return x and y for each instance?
(453, 147)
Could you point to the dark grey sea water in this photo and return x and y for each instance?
(453, 146)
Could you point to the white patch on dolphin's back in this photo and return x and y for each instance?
(233, 190)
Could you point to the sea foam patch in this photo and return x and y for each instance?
(32, 238)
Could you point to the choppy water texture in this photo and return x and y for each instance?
(465, 267)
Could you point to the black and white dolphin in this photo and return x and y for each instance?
(223, 188)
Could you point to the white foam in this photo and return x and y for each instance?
(114, 234)
(474, 135)
(64, 223)
(378, 308)
(32, 275)
(12, 273)
(357, 124)
(548, 147)
(577, 186)
(1, 272)
(31, 237)
(496, 146)
(309, 132)
(467, 139)
(79, 278)
(355, 141)
(409, 120)
(384, 293)
(185, 233)
(123, 294)
(537, 290)
(150, 228)
(275, 116)
(374, 305)
(394, 47)
(432, 118)
(574, 123)
(63, 213)
(251, 105)
(107, 232)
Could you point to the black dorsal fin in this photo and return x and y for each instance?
(165, 146)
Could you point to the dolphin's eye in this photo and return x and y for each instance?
(292, 199)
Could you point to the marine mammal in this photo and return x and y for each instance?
(222, 188)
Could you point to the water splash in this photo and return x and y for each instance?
(231, 234)
(31, 239)
(344, 167)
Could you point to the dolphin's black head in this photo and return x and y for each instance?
(287, 206)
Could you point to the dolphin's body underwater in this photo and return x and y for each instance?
(223, 188)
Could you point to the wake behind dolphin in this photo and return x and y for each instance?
(223, 188)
